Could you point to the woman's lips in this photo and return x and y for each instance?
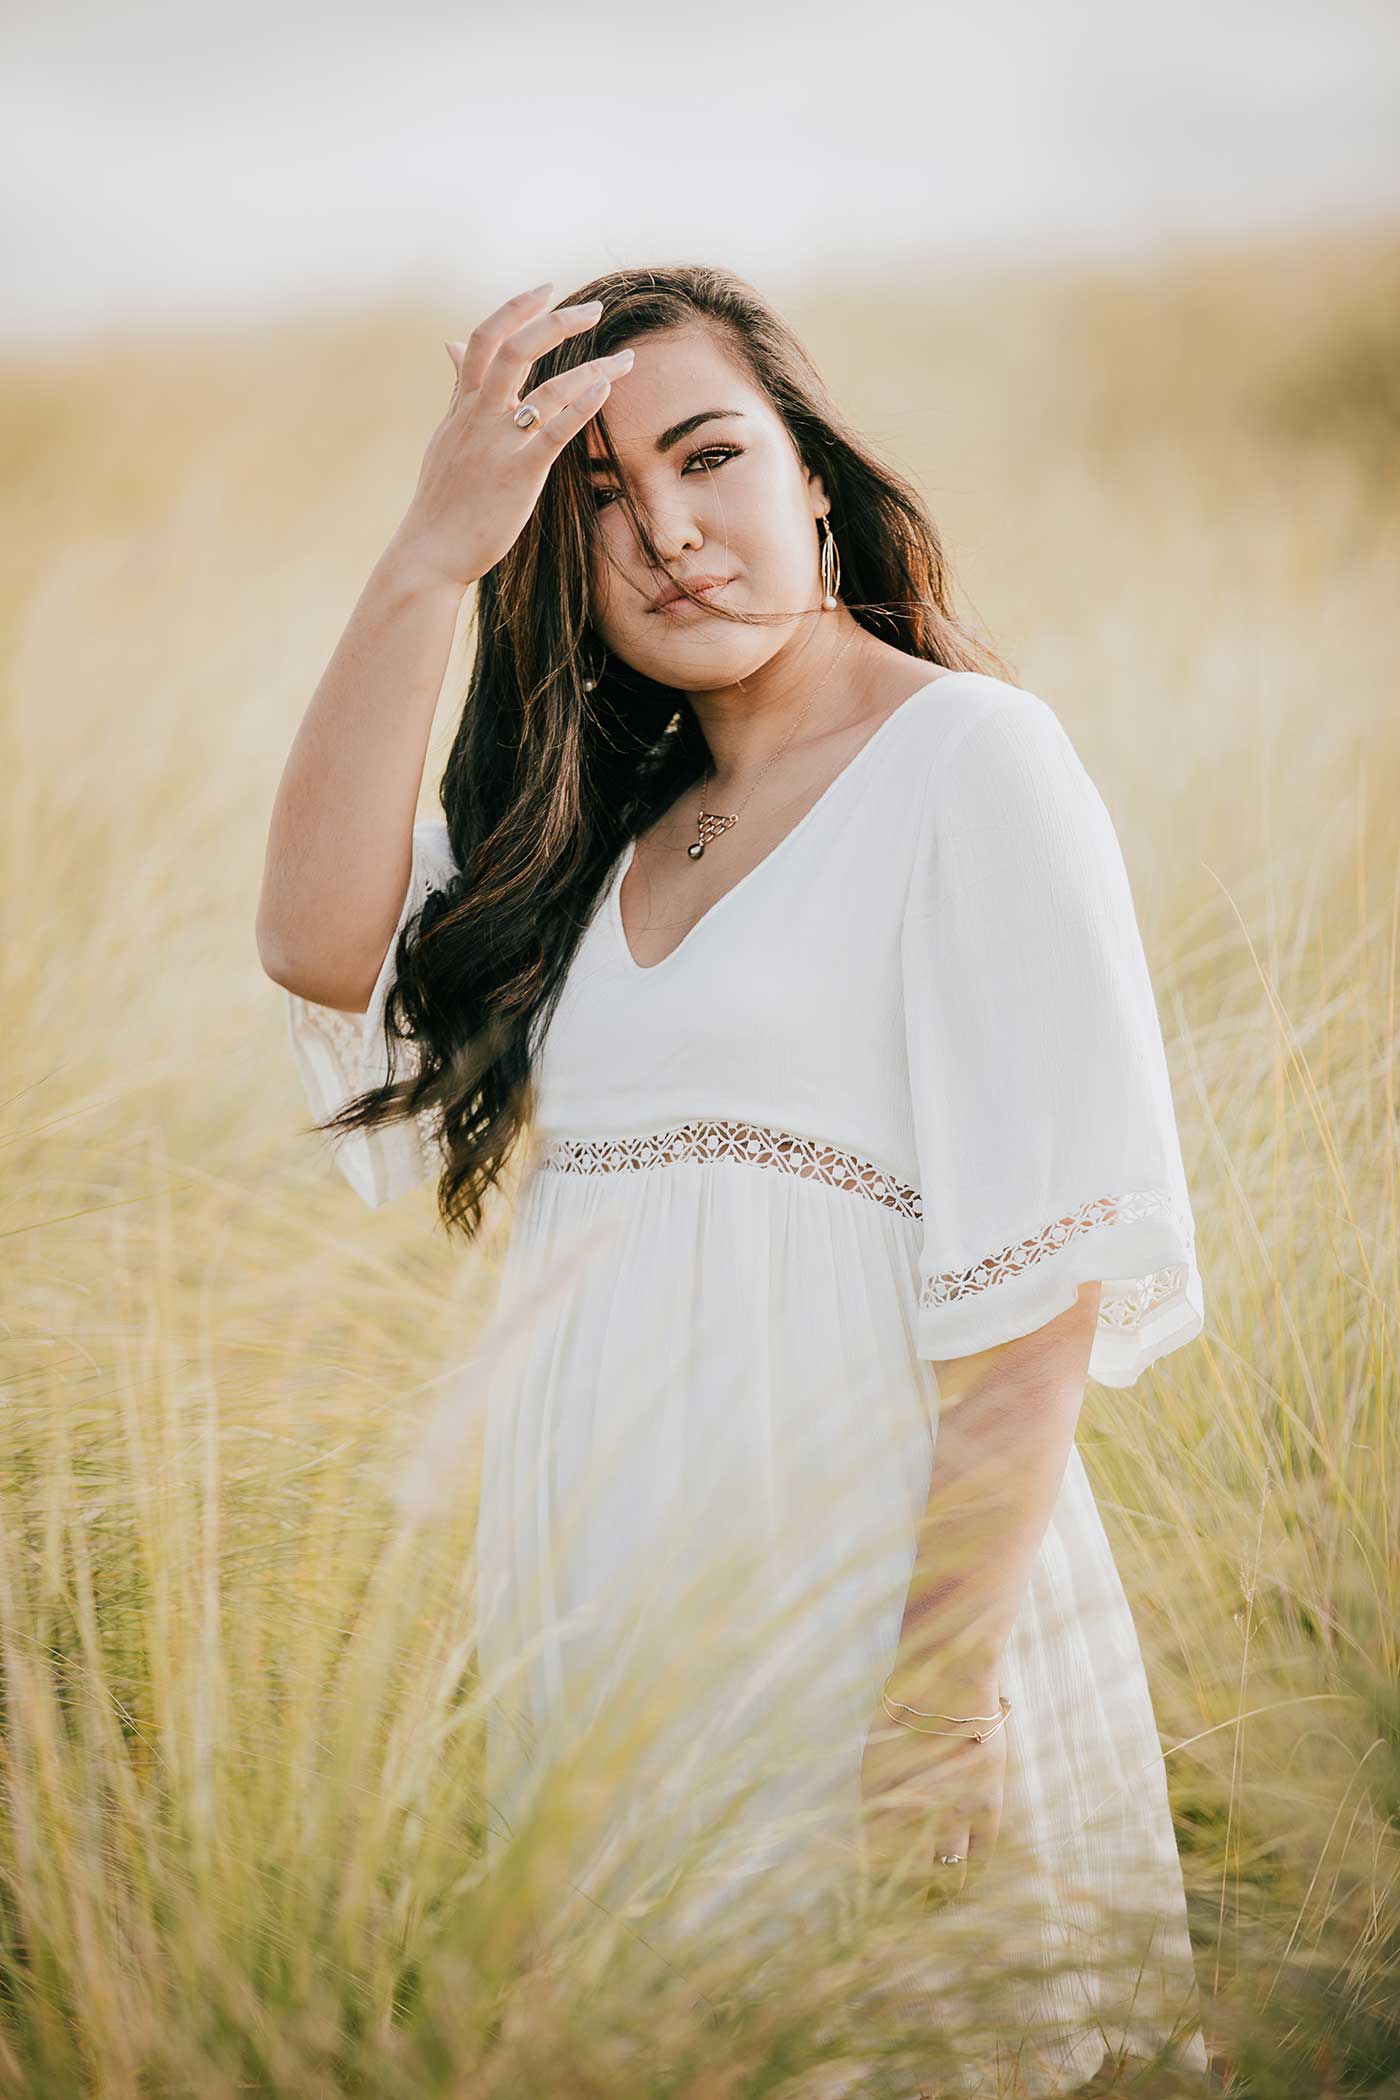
(705, 590)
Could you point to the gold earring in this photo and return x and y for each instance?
(831, 566)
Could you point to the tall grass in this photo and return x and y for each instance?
(242, 1825)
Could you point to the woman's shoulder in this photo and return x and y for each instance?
(991, 768)
(959, 714)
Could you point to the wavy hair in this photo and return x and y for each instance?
(549, 778)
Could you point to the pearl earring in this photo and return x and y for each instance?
(831, 566)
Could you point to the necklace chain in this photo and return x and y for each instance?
(708, 823)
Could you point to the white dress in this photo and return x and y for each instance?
(895, 1097)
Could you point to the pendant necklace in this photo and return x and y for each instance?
(709, 823)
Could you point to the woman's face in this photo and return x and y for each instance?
(714, 470)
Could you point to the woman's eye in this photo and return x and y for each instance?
(718, 453)
(712, 455)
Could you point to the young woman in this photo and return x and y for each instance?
(795, 944)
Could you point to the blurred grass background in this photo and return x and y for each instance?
(239, 1826)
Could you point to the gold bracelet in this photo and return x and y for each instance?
(885, 1694)
(979, 1735)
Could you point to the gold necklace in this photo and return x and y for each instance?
(709, 823)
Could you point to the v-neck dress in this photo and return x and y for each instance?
(892, 1100)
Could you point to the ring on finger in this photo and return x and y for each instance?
(526, 416)
(950, 1859)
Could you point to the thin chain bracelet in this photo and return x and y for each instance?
(930, 1716)
(979, 1735)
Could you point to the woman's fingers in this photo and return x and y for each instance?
(517, 349)
(947, 1861)
(574, 414)
(965, 1832)
(984, 1820)
(923, 1838)
(481, 475)
(488, 335)
(567, 400)
(496, 360)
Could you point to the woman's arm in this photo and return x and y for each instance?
(340, 849)
(1007, 1417)
(339, 846)
(1006, 1425)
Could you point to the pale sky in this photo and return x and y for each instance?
(163, 161)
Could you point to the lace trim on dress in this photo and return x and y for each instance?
(753, 1144)
(342, 1034)
(1124, 1305)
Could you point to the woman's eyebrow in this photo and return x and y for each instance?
(676, 432)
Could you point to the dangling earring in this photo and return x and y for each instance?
(831, 566)
(590, 680)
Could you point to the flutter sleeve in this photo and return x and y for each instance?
(337, 1055)
(1043, 1116)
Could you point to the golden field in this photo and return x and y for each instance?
(240, 1820)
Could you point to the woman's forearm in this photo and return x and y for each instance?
(339, 843)
(1006, 1427)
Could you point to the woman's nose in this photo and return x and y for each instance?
(675, 528)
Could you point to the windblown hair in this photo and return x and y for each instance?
(547, 780)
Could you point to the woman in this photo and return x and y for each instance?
(799, 944)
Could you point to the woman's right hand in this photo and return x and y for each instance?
(482, 475)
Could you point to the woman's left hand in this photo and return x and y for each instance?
(926, 1795)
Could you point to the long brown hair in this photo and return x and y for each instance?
(548, 778)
